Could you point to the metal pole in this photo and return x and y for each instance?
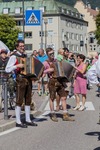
(45, 34)
(41, 29)
(23, 21)
(5, 99)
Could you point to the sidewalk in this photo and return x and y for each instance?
(40, 103)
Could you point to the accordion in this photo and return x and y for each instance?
(64, 71)
(33, 68)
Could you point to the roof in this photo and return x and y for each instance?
(51, 5)
(92, 12)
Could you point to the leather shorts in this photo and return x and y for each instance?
(56, 87)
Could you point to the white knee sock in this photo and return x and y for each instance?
(27, 113)
(18, 112)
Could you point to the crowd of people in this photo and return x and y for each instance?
(58, 88)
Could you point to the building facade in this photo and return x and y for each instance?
(89, 16)
(63, 26)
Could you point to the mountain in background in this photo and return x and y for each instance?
(93, 3)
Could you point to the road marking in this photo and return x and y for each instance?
(42, 116)
(9, 131)
(88, 105)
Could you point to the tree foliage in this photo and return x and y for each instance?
(98, 28)
(8, 31)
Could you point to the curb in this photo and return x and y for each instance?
(12, 123)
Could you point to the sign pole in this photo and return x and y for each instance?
(23, 21)
(41, 29)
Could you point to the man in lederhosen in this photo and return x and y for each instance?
(55, 87)
(23, 85)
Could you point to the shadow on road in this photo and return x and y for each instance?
(94, 134)
(98, 148)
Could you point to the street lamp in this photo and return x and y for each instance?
(45, 22)
(23, 21)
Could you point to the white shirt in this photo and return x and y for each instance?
(94, 72)
(11, 63)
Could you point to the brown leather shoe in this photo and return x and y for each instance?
(66, 117)
(53, 117)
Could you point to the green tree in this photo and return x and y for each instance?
(8, 31)
(97, 33)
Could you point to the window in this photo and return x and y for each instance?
(50, 20)
(77, 48)
(17, 10)
(30, 8)
(72, 47)
(72, 35)
(81, 37)
(60, 9)
(50, 32)
(76, 36)
(19, 23)
(28, 35)
(67, 23)
(43, 8)
(6, 10)
(41, 33)
(67, 34)
(28, 46)
(81, 26)
(67, 11)
(91, 40)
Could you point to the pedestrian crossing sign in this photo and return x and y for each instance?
(33, 17)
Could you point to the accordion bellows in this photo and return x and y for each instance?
(33, 68)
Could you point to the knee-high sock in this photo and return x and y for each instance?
(18, 112)
(27, 113)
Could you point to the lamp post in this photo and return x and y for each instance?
(23, 21)
(45, 22)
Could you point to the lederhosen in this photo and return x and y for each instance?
(23, 86)
(54, 85)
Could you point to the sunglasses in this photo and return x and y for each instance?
(51, 54)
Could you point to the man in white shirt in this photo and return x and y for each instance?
(23, 85)
(94, 72)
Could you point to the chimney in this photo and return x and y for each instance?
(97, 9)
(89, 6)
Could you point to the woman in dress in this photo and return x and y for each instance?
(80, 82)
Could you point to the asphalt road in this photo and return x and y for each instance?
(83, 134)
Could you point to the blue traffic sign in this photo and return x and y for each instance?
(33, 17)
(20, 36)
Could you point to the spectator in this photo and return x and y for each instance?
(95, 59)
(94, 73)
(3, 62)
(35, 53)
(43, 80)
(80, 82)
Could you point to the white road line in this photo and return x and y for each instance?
(15, 128)
(41, 116)
(9, 131)
(88, 105)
